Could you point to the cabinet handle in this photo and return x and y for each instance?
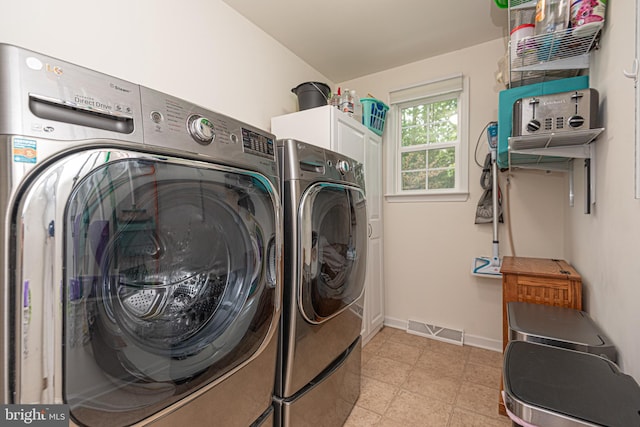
(370, 232)
(633, 74)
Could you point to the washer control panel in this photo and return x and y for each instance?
(179, 125)
(201, 129)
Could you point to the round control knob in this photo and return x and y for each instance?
(156, 116)
(343, 167)
(201, 129)
(576, 121)
(533, 126)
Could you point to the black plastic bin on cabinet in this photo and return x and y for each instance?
(559, 327)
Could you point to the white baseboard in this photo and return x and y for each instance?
(396, 323)
(471, 340)
(482, 342)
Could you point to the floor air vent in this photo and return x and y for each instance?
(436, 332)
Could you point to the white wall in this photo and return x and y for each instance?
(429, 247)
(605, 246)
(201, 51)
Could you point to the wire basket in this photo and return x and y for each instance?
(374, 113)
(560, 47)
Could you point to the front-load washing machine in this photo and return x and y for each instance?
(325, 245)
(141, 252)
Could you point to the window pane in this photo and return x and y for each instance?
(444, 109)
(444, 124)
(415, 121)
(442, 178)
(442, 158)
(414, 180)
(443, 131)
(415, 116)
(416, 160)
(414, 136)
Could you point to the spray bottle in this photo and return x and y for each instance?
(357, 106)
(346, 103)
(335, 99)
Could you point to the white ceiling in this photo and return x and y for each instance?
(345, 39)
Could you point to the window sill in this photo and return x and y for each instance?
(418, 198)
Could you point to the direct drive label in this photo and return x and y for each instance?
(24, 150)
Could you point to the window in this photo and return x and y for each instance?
(428, 141)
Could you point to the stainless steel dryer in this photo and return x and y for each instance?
(325, 248)
(141, 251)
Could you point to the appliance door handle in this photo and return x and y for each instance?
(59, 111)
(370, 230)
(633, 74)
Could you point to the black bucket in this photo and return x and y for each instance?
(311, 95)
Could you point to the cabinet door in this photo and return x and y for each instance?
(349, 137)
(374, 282)
(373, 184)
(374, 302)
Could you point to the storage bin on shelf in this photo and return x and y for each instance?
(374, 113)
(551, 55)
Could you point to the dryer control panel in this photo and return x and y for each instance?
(312, 163)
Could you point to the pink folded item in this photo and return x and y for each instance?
(514, 417)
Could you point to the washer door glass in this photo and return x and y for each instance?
(170, 281)
(333, 246)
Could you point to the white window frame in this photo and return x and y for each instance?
(431, 91)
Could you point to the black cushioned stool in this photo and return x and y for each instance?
(558, 327)
(559, 371)
(555, 387)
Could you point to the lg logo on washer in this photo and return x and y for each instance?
(35, 64)
(53, 69)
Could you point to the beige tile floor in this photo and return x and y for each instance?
(408, 380)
